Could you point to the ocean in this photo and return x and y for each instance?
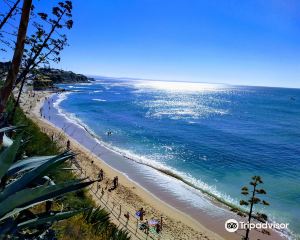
(214, 137)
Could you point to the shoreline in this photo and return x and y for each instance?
(190, 225)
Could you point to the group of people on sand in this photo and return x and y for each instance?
(115, 184)
(153, 225)
(115, 180)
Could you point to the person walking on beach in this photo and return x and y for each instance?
(147, 227)
(116, 182)
(157, 228)
(68, 144)
(141, 214)
(100, 175)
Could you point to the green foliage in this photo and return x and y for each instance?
(21, 190)
(102, 226)
(242, 202)
(118, 234)
(96, 226)
(40, 144)
(256, 180)
(254, 200)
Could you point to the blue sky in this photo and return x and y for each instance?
(252, 42)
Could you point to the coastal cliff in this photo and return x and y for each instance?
(48, 77)
(61, 76)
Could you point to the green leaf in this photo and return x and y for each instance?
(119, 234)
(255, 200)
(33, 174)
(242, 202)
(6, 129)
(27, 164)
(265, 203)
(261, 191)
(8, 156)
(49, 218)
(32, 196)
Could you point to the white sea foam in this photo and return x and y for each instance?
(153, 163)
(99, 100)
(61, 97)
(68, 116)
(85, 84)
(76, 87)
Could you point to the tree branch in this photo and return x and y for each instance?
(8, 15)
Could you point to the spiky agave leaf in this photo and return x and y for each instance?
(119, 234)
(49, 218)
(8, 155)
(30, 197)
(99, 218)
(10, 128)
(33, 174)
(27, 164)
(96, 215)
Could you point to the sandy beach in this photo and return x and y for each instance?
(129, 195)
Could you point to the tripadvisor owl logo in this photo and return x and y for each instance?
(231, 225)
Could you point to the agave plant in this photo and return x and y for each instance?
(100, 220)
(119, 234)
(24, 185)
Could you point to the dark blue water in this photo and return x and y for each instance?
(214, 136)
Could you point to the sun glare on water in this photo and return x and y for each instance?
(178, 86)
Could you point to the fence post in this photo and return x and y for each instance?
(112, 209)
(120, 211)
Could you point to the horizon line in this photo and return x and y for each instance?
(187, 81)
